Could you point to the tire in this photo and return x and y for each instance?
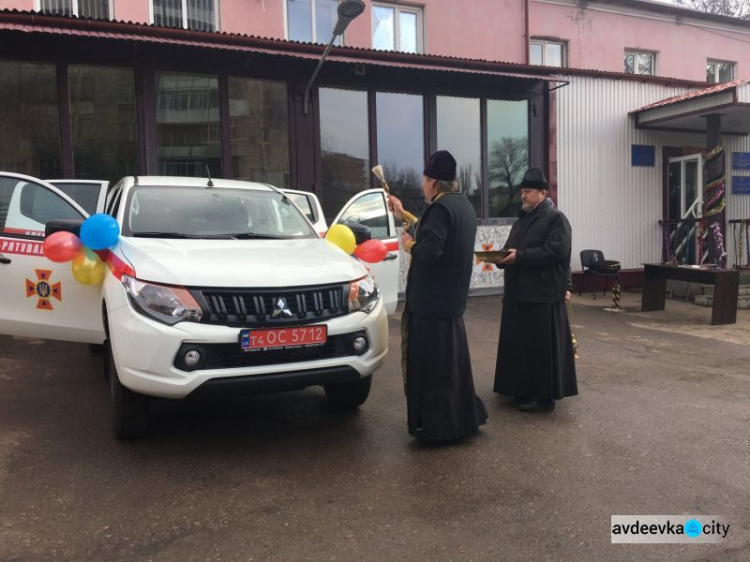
(129, 409)
(349, 394)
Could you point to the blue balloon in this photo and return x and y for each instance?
(99, 232)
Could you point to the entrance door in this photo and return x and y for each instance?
(686, 206)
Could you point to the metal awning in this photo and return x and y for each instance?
(687, 112)
(27, 22)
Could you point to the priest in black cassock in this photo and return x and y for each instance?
(535, 358)
(440, 397)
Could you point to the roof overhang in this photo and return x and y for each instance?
(687, 113)
(26, 22)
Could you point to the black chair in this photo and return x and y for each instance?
(594, 265)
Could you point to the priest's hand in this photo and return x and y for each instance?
(509, 259)
(405, 239)
(394, 204)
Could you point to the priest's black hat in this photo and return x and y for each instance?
(534, 179)
(441, 166)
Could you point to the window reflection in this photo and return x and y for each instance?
(508, 143)
(30, 119)
(344, 147)
(103, 122)
(458, 131)
(400, 125)
(259, 123)
(187, 124)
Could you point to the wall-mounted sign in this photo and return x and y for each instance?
(741, 160)
(642, 155)
(740, 185)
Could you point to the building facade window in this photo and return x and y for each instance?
(311, 21)
(103, 122)
(344, 147)
(187, 125)
(400, 129)
(459, 131)
(397, 28)
(640, 62)
(719, 71)
(547, 53)
(199, 15)
(95, 9)
(259, 130)
(29, 112)
(508, 145)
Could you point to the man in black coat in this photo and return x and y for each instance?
(441, 402)
(535, 359)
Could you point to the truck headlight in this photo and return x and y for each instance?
(162, 303)
(363, 295)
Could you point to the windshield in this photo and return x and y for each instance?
(201, 212)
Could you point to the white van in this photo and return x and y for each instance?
(214, 285)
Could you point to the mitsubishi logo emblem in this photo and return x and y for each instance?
(280, 309)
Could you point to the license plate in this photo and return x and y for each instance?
(283, 338)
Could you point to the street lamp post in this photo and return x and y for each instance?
(347, 11)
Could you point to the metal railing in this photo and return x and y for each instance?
(684, 241)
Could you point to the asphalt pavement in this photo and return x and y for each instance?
(661, 427)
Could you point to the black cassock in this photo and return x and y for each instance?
(441, 401)
(535, 354)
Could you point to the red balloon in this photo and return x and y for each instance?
(61, 246)
(372, 251)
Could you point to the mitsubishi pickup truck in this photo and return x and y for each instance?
(214, 286)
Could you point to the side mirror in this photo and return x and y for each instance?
(66, 225)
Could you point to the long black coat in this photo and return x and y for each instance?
(535, 352)
(440, 397)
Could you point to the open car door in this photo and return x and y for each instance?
(370, 208)
(41, 298)
(310, 206)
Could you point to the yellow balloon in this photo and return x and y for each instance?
(343, 237)
(87, 268)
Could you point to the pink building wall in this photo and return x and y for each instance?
(598, 39)
(597, 35)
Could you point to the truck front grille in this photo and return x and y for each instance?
(273, 307)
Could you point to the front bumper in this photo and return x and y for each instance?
(145, 353)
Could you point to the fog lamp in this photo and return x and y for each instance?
(359, 344)
(192, 358)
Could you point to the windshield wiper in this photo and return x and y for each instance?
(182, 235)
(256, 236)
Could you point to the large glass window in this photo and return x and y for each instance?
(508, 143)
(98, 9)
(259, 123)
(103, 122)
(640, 63)
(400, 126)
(719, 71)
(30, 119)
(458, 131)
(396, 28)
(344, 147)
(189, 14)
(311, 21)
(188, 127)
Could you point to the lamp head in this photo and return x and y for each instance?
(347, 10)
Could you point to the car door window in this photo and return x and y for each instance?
(25, 207)
(303, 202)
(85, 194)
(371, 211)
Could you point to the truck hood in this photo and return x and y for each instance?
(240, 263)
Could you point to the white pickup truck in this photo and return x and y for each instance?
(215, 285)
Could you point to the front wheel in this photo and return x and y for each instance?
(129, 409)
(349, 394)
